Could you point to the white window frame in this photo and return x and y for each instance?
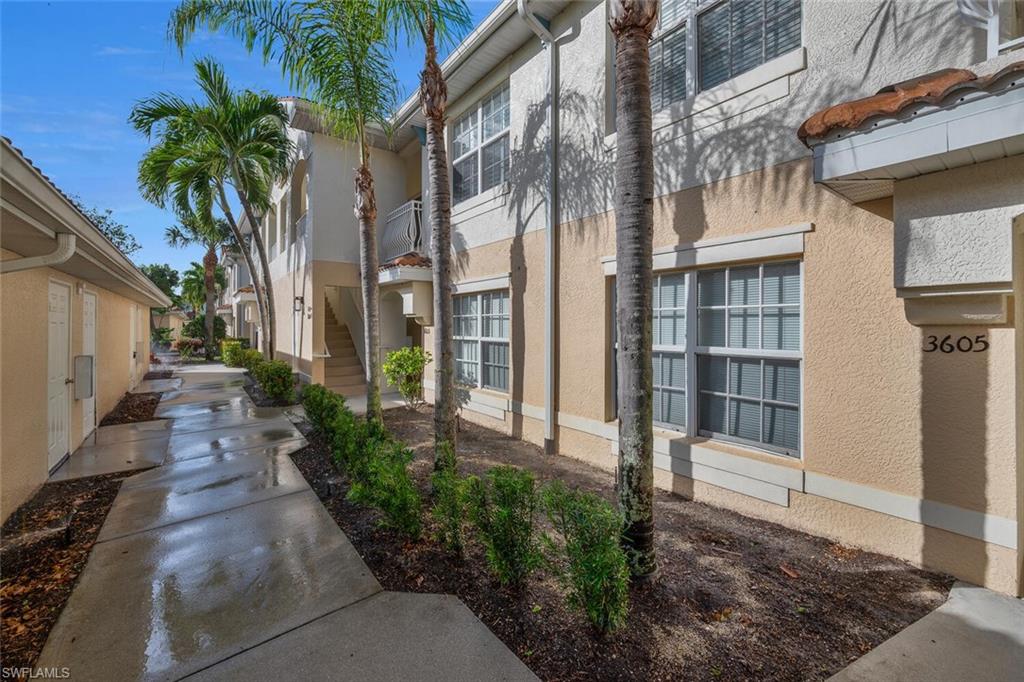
(480, 339)
(692, 350)
(476, 112)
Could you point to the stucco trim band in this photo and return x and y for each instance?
(997, 530)
(776, 242)
(772, 482)
(483, 284)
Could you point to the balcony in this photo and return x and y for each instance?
(402, 231)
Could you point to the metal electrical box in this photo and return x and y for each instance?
(83, 377)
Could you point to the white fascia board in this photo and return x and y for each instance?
(783, 241)
(483, 284)
(879, 153)
(405, 274)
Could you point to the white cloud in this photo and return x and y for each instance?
(121, 51)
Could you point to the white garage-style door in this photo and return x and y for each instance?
(89, 348)
(58, 406)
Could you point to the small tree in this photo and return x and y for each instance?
(404, 368)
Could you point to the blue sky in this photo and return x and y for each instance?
(70, 73)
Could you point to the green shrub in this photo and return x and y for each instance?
(187, 346)
(162, 336)
(354, 441)
(240, 339)
(589, 560)
(387, 486)
(196, 328)
(321, 405)
(404, 368)
(450, 500)
(276, 379)
(231, 353)
(501, 508)
(250, 359)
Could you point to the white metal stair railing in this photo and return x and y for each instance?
(402, 231)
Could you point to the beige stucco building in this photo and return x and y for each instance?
(66, 295)
(837, 313)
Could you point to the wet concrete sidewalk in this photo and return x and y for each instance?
(219, 561)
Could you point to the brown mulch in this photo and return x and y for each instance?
(159, 374)
(736, 598)
(133, 407)
(39, 574)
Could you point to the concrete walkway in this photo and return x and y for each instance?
(977, 635)
(219, 562)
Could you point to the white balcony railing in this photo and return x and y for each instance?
(402, 231)
(1002, 20)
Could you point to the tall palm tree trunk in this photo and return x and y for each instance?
(366, 214)
(434, 97)
(210, 289)
(632, 24)
(261, 298)
(268, 284)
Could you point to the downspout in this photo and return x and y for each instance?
(61, 254)
(541, 28)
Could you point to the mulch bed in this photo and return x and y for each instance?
(40, 570)
(736, 598)
(133, 407)
(159, 374)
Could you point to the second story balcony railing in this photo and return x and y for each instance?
(403, 231)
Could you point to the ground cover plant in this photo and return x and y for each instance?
(735, 598)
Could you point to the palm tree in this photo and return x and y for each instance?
(213, 234)
(193, 285)
(434, 20)
(632, 23)
(233, 139)
(334, 52)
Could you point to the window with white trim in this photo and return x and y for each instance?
(481, 323)
(727, 354)
(699, 44)
(480, 146)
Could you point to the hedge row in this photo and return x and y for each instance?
(499, 510)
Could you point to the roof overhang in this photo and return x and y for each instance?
(34, 211)
(499, 35)
(979, 126)
(402, 273)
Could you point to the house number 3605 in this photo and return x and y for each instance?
(962, 344)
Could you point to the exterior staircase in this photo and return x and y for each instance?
(343, 373)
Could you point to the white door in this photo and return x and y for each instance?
(131, 348)
(58, 409)
(89, 348)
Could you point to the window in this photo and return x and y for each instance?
(748, 375)
(699, 44)
(737, 35)
(670, 349)
(480, 146)
(730, 339)
(481, 323)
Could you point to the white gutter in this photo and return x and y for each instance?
(498, 16)
(64, 250)
(551, 227)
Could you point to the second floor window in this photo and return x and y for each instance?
(480, 146)
(699, 44)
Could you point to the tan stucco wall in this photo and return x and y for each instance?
(876, 409)
(297, 282)
(23, 360)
